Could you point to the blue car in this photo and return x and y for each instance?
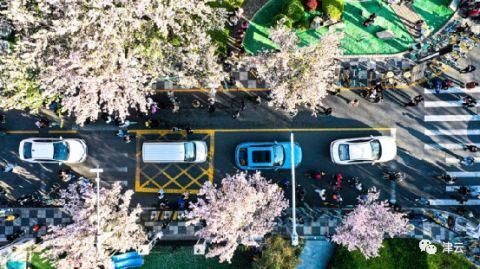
(266, 155)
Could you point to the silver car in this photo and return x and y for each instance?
(373, 149)
(53, 150)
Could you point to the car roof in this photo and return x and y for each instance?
(360, 151)
(42, 150)
(250, 156)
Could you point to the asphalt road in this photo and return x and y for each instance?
(430, 138)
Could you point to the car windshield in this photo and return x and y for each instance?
(376, 149)
(190, 152)
(27, 150)
(343, 152)
(278, 155)
(60, 151)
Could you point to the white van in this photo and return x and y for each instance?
(174, 152)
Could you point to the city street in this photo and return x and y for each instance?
(430, 139)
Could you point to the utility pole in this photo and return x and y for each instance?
(97, 180)
(294, 235)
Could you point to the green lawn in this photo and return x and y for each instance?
(358, 39)
(183, 258)
(362, 40)
(399, 253)
(434, 12)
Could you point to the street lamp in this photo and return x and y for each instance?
(97, 180)
(294, 235)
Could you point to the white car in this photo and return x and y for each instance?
(373, 149)
(53, 150)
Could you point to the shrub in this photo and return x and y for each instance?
(333, 8)
(230, 5)
(294, 10)
(288, 22)
(278, 253)
(311, 4)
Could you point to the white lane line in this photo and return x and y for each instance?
(450, 160)
(452, 90)
(123, 169)
(451, 118)
(445, 104)
(464, 174)
(453, 202)
(451, 132)
(393, 192)
(447, 146)
(473, 188)
(125, 154)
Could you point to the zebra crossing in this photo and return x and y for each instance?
(448, 125)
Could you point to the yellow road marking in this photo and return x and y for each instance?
(137, 165)
(63, 131)
(213, 131)
(22, 132)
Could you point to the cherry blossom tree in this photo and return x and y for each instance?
(366, 226)
(241, 211)
(297, 76)
(75, 245)
(104, 55)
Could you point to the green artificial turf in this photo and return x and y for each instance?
(399, 253)
(435, 13)
(358, 39)
(182, 258)
(363, 40)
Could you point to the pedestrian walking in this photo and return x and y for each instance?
(337, 197)
(9, 167)
(242, 105)
(467, 161)
(470, 68)
(236, 114)
(42, 123)
(127, 138)
(354, 103)
(470, 147)
(469, 101)
(161, 194)
(415, 101)
(196, 103)
(126, 124)
(121, 133)
(471, 85)
(189, 130)
(211, 108)
(321, 193)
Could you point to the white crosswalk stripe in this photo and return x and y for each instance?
(453, 90)
(448, 145)
(453, 202)
(463, 174)
(430, 118)
(445, 104)
(452, 132)
(452, 135)
(452, 160)
(474, 189)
